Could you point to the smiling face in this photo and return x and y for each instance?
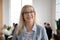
(29, 14)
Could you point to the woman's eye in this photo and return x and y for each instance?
(28, 12)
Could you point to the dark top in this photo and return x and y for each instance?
(49, 32)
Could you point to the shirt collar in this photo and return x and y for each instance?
(33, 29)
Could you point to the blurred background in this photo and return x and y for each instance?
(46, 10)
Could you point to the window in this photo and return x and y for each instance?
(15, 9)
(25, 2)
(57, 9)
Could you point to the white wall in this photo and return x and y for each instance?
(43, 8)
(53, 10)
(5, 12)
(45, 12)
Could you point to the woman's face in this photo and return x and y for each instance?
(29, 14)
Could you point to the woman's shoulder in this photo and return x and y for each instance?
(39, 27)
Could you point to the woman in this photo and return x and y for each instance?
(28, 29)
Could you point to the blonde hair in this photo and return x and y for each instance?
(21, 21)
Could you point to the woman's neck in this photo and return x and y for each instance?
(29, 26)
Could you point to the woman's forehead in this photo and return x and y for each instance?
(28, 9)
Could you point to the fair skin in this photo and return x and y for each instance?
(29, 17)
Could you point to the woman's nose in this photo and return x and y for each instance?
(29, 14)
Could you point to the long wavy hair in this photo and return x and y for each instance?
(21, 20)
